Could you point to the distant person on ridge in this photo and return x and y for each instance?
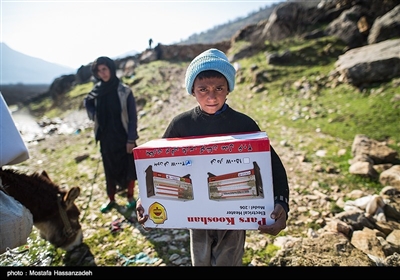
(112, 106)
(150, 42)
(210, 78)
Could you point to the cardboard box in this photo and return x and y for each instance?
(214, 182)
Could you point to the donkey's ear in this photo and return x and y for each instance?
(71, 195)
(44, 174)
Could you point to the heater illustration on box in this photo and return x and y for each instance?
(169, 186)
(237, 185)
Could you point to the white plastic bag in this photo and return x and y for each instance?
(12, 147)
(16, 222)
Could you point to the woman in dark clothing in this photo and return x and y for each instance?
(112, 106)
(210, 78)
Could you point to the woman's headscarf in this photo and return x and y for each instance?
(103, 60)
(103, 88)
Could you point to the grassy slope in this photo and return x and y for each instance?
(323, 117)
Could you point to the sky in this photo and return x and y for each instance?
(74, 33)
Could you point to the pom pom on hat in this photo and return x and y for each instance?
(211, 59)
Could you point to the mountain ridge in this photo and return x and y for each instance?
(16, 68)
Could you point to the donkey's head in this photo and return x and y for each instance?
(62, 228)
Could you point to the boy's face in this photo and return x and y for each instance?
(210, 93)
(103, 72)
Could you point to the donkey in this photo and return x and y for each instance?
(54, 212)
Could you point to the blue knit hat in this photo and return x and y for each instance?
(211, 59)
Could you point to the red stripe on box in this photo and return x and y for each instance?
(232, 147)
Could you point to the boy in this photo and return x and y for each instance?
(210, 78)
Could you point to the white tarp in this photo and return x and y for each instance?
(12, 148)
(16, 220)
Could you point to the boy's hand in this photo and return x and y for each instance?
(140, 214)
(279, 215)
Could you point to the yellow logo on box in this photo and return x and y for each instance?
(157, 213)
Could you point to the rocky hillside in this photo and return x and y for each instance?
(356, 23)
(312, 108)
(319, 232)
